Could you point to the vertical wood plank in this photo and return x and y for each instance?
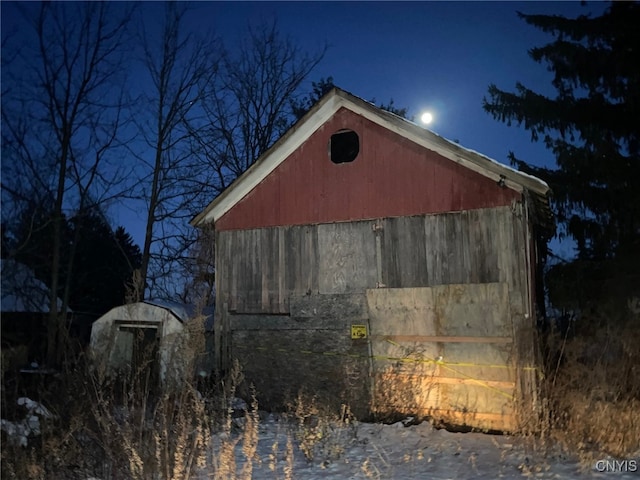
(465, 248)
(404, 252)
(429, 250)
(301, 263)
(283, 297)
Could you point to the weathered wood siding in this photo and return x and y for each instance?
(456, 351)
(452, 285)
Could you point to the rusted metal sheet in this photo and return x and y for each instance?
(390, 177)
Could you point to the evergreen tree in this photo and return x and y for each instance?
(103, 266)
(592, 125)
(103, 260)
(318, 90)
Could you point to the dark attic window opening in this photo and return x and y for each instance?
(344, 146)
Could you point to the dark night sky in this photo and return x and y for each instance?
(437, 56)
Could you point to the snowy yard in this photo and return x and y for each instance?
(380, 451)
(310, 447)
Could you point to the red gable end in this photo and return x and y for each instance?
(390, 177)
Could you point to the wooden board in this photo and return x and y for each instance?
(473, 310)
(347, 257)
(260, 269)
(301, 260)
(414, 371)
(404, 252)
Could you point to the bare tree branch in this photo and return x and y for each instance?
(179, 65)
(250, 108)
(61, 122)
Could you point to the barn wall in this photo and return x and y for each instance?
(308, 351)
(307, 188)
(259, 269)
(288, 296)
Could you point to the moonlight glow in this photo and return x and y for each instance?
(426, 118)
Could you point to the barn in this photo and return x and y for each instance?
(149, 335)
(371, 262)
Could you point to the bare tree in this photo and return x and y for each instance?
(61, 122)
(250, 107)
(180, 66)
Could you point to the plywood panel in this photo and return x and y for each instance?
(407, 311)
(477, 398)
(415, 371)
(473, 310)
(481, 361)
(347, 257)
(398, 392)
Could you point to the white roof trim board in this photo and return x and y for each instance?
(322, 112)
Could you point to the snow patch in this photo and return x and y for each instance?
(20, 431)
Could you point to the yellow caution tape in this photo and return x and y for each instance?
(392, 359)
(447, 365)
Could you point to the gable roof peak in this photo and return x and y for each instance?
(323, 110)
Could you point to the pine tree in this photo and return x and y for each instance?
(102, 263)
(592, 126)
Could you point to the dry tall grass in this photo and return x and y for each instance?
(595, 390)
(591, 391)
(129, 428)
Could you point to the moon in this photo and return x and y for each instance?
(426, 118)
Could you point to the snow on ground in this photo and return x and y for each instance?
(380, 451)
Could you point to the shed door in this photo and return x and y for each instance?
(136, 351)
(444, 351)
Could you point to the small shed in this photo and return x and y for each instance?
(149, 335)
(372, 262)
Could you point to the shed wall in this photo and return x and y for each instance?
(390, 177)
(105, 343)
